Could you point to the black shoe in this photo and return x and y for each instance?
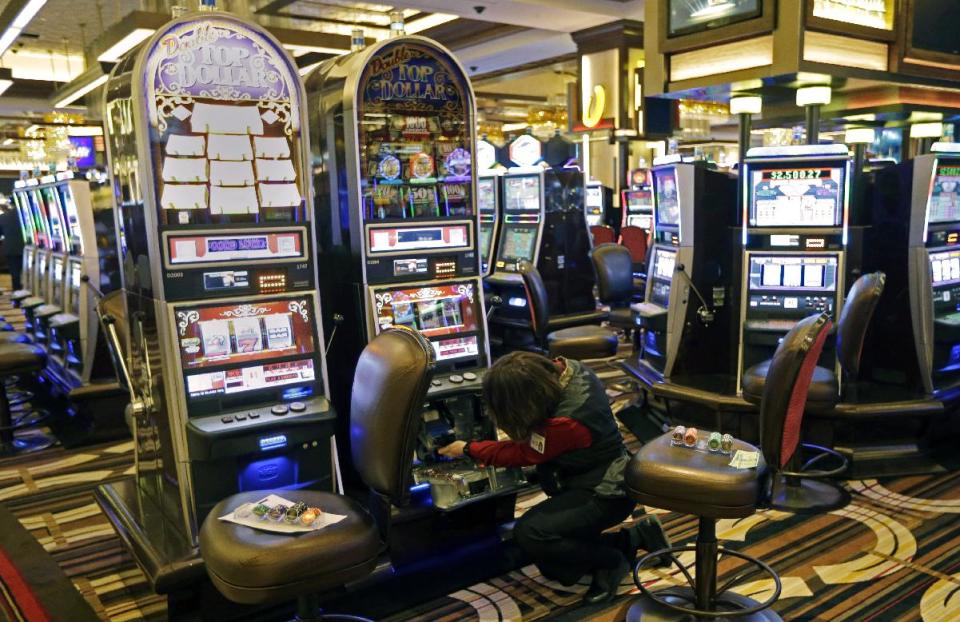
(606, 582)
(647, 534)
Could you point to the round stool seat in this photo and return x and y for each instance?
(21, 358)
(253, 567)
(823, 395)
(11, 336)
(690, 481)
(583, 342)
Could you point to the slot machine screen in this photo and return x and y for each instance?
(447, 315)
(794, 273)
(944, 205)
(797, 197)
(486, 237)
(518, 243)
(945, 268)
(75, 285)
(486, 195)
(58, 233)
(57, 293)
(667, 196)
(521, 193)
(594, 198)
(39, 218)
(73, 219)
(23, 215)
(664, 263)
(247, 349)
(42, 269)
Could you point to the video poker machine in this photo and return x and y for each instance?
(597, 199)
(205, 134)
(393, 129)
(688, 315)
(915, 240)
(795, 207)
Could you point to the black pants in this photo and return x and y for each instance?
(15, 266)
(564, 536)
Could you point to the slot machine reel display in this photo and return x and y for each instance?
(795, 237)
(396, 205)
(205, 141)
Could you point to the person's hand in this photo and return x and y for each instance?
(453, 450)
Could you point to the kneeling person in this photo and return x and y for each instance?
(558, 417)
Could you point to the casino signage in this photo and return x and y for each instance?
(410, 75)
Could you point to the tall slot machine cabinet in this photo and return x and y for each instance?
(207, 148)
(393, 131)
(916, 242)
(795, 208)
(31, 236)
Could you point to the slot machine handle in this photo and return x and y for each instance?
(705, 313)
(85, 279)
(337, 321)
(137, 407)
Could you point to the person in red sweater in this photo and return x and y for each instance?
(558, 418)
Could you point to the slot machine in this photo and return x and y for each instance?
(596, 201)
(51, 263)
(688, 313)
(76, 344)
(205, 130)
(795, 206)
(637, 201)
(393, 125)
(488, 208)
(28, 228)
(543, 222)
(916, 242)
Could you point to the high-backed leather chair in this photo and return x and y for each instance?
(578, 342)
(613, 267)
(602, 234)
(699, 482)
(636, 239)
(255, 567)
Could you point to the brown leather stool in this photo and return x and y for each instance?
(255, 567)
(579, 342)
(702, 483)
(17, 359)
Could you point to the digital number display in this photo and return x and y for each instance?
(210, 249)
(402, 240)
(236, 244)
(800, 197)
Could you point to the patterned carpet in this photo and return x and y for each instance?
(891, 555)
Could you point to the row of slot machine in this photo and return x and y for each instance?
(69, 238)
(246, 195)
(732, 280)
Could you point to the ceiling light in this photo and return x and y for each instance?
(813, 95)
(32, 129)
(300, 50)
(85, 130)
(423, 23)
(116, 51)
(86, 82)
(746, 104)
(7, 142)
(926, 130)
(19, 13)
(513, 127)
(860, 136)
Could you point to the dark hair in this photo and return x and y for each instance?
(522, 390)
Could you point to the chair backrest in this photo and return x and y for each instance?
(602, 234)
(537, 300)
(389, 388)
(635, 239)
(786, 387)
(855, 317)
(613, 268)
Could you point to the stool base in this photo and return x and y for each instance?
(809, 497)
(27, 443)
(309, 610)
(645, 609)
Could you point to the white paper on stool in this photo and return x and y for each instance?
(221, 119)
(182, 145)
(243, 516)
(275, 170)
(231, 173)
(271, 147)
(185, 169)
(229, 147)
(225, 200)
(184, 196)
(279, 195)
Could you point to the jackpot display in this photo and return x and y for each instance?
(795, 235)
(206, 143)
